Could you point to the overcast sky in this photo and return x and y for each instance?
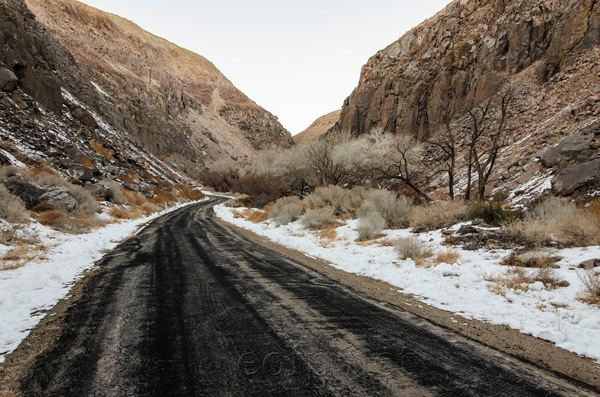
(297, 59)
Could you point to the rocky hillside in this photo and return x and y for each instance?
(112, 75)
(319, 127)
(545, 50)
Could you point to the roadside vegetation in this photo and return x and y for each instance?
(42, 195)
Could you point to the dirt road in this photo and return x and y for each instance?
(188, 307)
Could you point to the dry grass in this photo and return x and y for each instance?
(594, 210)
(150, 176)
(556, 222)
(161, 198)
(173, 176)
(126, 178)
(101, 150)
(190, 194)
(54, 218)
(122, 213)
(518, 279)
(534, 259)
(447, 256)
(19, 256)
(438, 215)
(327, 234)
(43, 207)
(84, 161)
(134, 199)
(44, 169)
(590, 292)
(412, 247)
(255, 216)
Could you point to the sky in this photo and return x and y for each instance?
(297, 59)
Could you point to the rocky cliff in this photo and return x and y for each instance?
(546, 51)
(171, 102)
(470, 49)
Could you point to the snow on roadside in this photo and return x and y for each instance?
(26, 292)
(554, 315)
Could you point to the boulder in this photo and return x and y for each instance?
(29, 193)
(574, 148)
(81, 173)
(60, 198)
(134, 187)
(576, 176)
(467, 229)
(8, 80)
(98, 190)
(589, 264)
(84, 117)
(44, 87)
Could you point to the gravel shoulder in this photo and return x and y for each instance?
(501, 338)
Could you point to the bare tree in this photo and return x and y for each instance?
(486, 135)
(446, 140)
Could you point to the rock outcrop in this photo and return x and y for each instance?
(105, 79)
(467, 51)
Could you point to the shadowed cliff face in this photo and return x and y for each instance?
(469, 49)
(174, 103)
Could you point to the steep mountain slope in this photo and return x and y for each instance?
(175, 103)
(545, 50)
(319, 127)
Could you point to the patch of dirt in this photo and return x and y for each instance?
(502, 338)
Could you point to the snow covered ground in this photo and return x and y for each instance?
(460, 287)
(26, 292)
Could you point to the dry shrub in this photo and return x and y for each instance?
(190, 194)
(518, 279)
(370, 226)
(161, 198)
(594, 210)
(492, 213)
(122, 213)
(101, 150)
(149, 208)
(12, 208)
(556, 221)
(133, 199)
(395, 210)
(352, 201)
(132, 174)
(86, 203)
(438, 215)
(412, 247)
(533, 259)
(43, 207)
(55, 218)
(116, 193)
(166, 185)
(317, 218)
(86, 162)
(286, 210)
(173, 176)
(590, 293)
(255, 216)
(328, 196)
(262, 188)
(449, 256)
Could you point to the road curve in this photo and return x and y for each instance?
(189, 308)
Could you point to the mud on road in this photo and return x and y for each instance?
(189, 307)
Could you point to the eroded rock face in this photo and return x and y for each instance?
(468, 50)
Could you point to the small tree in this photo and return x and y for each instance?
(485, 138)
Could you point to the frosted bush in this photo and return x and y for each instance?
(370, 226)
(395, 210)
(286, 210)
(12, 208)
(315, 219)
(412, 247)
